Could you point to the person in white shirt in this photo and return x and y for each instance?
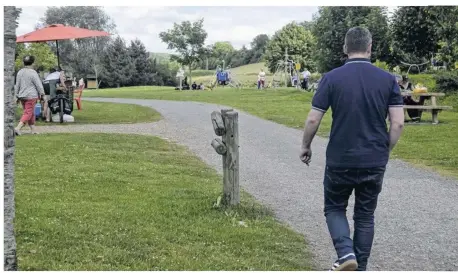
(53, 75)
(306, 75)
(80, 83)
(261, 79)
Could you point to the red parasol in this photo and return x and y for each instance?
(59, 32)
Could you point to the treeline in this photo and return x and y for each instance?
(224, 51)
(110, 59)
(411, 35)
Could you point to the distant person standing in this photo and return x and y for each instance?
(305, 82)
(360, 96)
(261, 79)
(28, 90)
(53, 75)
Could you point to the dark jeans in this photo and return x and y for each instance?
(338, 186)
(414, 114)
(305, 84)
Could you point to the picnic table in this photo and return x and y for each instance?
(434, 108)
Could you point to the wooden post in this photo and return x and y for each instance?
(231, 189)
(219, 146)
(228, 147)
(218, 123)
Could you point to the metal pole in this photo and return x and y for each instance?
(286, 67)
(58, 60)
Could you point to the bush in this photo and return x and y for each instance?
(424, 79)
(314, 77)
(447, 82)
(382, 65)
(452, 100)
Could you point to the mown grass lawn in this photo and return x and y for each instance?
(124, 202)
(101, 112)
(426, 145)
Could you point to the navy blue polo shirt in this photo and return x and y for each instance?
(359, 95)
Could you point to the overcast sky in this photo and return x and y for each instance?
(239, 25)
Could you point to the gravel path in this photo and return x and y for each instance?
(417, 216)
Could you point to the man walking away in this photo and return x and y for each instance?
(360, 96)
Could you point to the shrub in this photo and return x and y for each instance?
(382, 65)
(314, 77)
(447, 82)
(424, 79)
(452, 100)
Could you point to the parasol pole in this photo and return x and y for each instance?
(57, 46)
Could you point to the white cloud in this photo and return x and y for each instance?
(239, 25)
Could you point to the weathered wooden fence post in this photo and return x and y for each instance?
(225, 124)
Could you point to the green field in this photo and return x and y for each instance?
(246, 74)
(101, 112)
(426, 145)
(123, 202)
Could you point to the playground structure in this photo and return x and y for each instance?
(182, 80)
(414, 65)
(286, 73)
(433, 62)
(224, 77)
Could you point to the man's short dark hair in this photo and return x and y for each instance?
(52, 70)
(28, 60)
(357, 40)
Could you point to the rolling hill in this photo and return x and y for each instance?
(246, 74)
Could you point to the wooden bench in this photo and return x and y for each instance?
(434, 108)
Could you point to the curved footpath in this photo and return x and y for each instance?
(417, 216)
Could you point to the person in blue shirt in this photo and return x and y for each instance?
(360, 96)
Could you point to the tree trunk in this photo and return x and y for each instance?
(9, 242)
(190, 74)
(96, 77)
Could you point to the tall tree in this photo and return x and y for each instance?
(414, 34)
(222, 51)
(240, 57)
(11, 15)
(299, 43)
(308, 25)
(447, 32)
(44, 56)
(117, 63)
(258, 47)
(188, 40)
(82, 55)
(143, 66)
(376, 21)
(332, 23)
